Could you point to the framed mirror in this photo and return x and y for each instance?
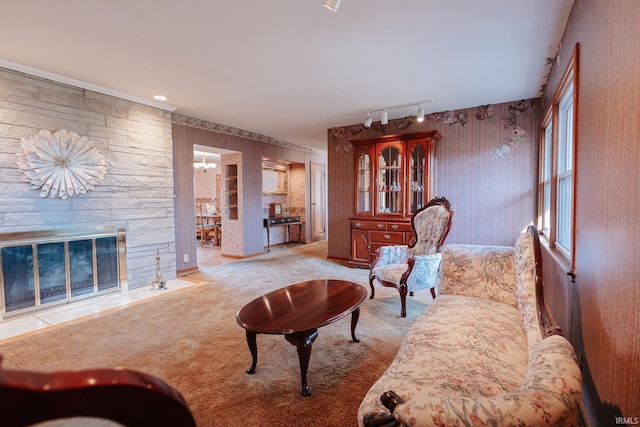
(274, 180)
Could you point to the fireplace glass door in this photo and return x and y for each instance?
(37, 274)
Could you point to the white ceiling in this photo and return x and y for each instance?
(291, 69)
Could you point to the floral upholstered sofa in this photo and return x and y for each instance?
(484, 352)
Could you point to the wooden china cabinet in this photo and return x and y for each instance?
(395, 176)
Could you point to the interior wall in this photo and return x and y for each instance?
(232, 228)
(605, 324)
(299, 196)
(486, 164)
(205, 184)
(137, 190)
(188, 132)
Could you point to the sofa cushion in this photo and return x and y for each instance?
(549, 396)
(479, 271)
(459, 346)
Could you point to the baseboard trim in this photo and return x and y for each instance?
(186, 271)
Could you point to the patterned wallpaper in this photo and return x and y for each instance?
(205, 183)
(513, 135)
(486, 165)
(232, 227)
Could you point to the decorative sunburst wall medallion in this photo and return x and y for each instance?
(62, 164)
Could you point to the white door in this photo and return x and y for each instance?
(317, 202)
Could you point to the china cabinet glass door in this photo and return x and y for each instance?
(364, 181)
(390, 180)
(417, 174)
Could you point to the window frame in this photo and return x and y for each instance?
(547, 207)
(555, 148)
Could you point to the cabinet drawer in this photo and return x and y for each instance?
(387, 237)
(399, 226)
(368, 225)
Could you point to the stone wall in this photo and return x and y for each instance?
(137, 191)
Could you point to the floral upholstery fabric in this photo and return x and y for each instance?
(479, 271)
(526, 288)
(423, 275)
(476, 355)
(549, 396)
(430, 225)
(456, 348)
(392, 255)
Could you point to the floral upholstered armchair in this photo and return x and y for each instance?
(414, 267)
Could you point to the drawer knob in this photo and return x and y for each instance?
(387, 237)
(358, 225)
(394, 226)
(380, 225)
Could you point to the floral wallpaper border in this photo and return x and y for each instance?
(229, 130)
(515, 135)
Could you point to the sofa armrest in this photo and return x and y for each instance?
(550, 396)
(479, 271)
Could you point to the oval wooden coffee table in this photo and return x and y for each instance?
(297, 311)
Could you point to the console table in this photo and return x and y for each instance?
(282, 220)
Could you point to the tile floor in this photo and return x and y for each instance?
(92, 306)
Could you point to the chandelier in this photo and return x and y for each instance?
(204, 166)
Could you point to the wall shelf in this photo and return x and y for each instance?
(231, 191)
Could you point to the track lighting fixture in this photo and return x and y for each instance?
(420, 115)
(384, 119)
(367, 123)
(331, 4)
(384, 113)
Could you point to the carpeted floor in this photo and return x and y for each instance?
(191, 340)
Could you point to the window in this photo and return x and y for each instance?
(557, 166)
(565, 171)
(546, 178)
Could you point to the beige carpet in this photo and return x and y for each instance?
(191, 340)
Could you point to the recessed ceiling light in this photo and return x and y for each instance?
(160, 97)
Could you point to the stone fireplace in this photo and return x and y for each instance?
(41, 269)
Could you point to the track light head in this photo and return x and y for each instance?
(384, 119)
(420, 114)
(367, 123)
(331, 4)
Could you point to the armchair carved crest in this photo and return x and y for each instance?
(414, 267)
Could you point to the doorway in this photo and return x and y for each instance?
(317, 202)
(209, 204)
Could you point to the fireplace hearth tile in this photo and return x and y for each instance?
(93, 306)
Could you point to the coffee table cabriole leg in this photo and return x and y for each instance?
(253, 348)
(303, 341)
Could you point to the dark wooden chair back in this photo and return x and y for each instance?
(127, 397)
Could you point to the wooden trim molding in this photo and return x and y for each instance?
(570, 76)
